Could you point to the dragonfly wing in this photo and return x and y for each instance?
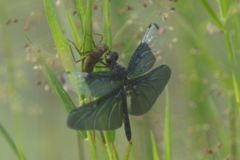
(143, 58)
(145, 90)
(75, 81)
(105, 113)
(97, 83)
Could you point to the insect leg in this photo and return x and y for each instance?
(75, 46)
(92, 41)
(99, 35)
(78, 50)
(72, 52)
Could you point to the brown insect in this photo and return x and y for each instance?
(94, 56)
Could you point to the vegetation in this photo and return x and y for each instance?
(197, 116)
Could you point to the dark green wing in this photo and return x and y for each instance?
(95, 84)
(145, 90)
(143, 58)
(106, 113)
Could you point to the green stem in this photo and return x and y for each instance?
(88, 27)
(223, 7)
(107, 24)
(212, 14)
(229, 47)
(235, 81)
(234, 74)
(15, 106)
(233, 129)
(167, 129)
(108, 145)
(128, 151)
(91, 145)
(11, 143)
(154, 147)
(12, 93)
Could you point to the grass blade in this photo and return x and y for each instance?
(19, 154)
(115, 154)
(12, 94)
(224, 6)
(74, 30)
(108, 145)
(81, 13)
(107, 34)
(127, 152)
(212, 14)
(85, 16)
(154, 147)
(107, 39)
(167, 130)
(65, 57)
(59, 91)
(59, 39)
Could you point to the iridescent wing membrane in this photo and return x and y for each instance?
(145, 90)
(105, 113)
(143, 58)
(94, 84)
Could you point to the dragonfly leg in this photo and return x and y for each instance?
(92, 41)
(78, 50)
(105, 65)
(71, 52)
(81, 59)
(99, 35)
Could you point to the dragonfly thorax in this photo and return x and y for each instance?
(119, 69)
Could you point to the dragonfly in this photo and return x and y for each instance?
(112, 109)
(94, 56)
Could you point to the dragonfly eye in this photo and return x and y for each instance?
(111, 58)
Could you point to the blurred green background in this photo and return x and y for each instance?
(203, 87)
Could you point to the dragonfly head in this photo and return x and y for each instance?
(111, 58)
